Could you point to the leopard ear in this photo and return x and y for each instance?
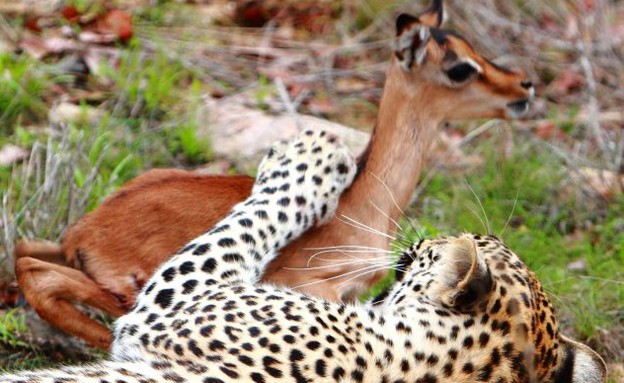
(580, 364)
(469, 279)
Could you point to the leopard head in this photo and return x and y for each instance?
(491, 309)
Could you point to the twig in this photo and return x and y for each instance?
(285, 97)
(593, 121)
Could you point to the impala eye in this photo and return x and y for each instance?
(461, 72)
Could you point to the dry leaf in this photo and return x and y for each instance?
(114, 25)
(579, 265)
(34, 46)
(39, 47)
(117, 22)
(10, 154)
(70, 13)
(70, 113)
(565, 83)
(447, 152)
(547, 130)
(322, 106)
(602, 182)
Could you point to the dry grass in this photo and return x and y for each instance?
(43, 196)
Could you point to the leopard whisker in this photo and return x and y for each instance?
(353, 251)
(485, 223)
(344, 252)
(364, 227)
(513, 210)
(478, 216)
(401, 237)
(334, 277)
(344, 263)
(386, 215)
(386, 257)
(359, 225)
(372, 269)
(409, 220)
(346, 247)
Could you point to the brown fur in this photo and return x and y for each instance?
(118, 245)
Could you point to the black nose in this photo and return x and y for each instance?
(526, 84)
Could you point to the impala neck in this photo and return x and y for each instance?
(391, 165)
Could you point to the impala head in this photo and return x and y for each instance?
(460, 82)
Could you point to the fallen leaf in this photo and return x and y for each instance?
(117, 22)
(602, 182)
(548, 23)
(322, 106)
(32, 23)
(70, 113)
(97, 38)
(565, 83)
(252, 14)
(447, 152)
(70, 13)
(34, 46)
(572, 28)
(589, 5)
(10, 154)
(60, 45)
(39, 47)
(547, 130)
(579, 265)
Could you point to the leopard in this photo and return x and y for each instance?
(462, 308)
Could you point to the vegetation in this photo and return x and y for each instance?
(140, 107)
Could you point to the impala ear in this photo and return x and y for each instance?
(434, 16)
(403, 21)
(413, 34)
(580, 364)
(411, 41)
(468, 278)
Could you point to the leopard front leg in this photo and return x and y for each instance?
(298, 185)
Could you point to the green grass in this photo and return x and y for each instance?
(11, 325)
(16, 353)
(526, 201)
(22, 81)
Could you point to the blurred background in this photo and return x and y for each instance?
(94, 92)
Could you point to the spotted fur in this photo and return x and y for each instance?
(463, 309)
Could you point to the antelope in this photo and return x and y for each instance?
(434, 76)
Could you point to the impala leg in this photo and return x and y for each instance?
(53, 289)
(40, 249)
